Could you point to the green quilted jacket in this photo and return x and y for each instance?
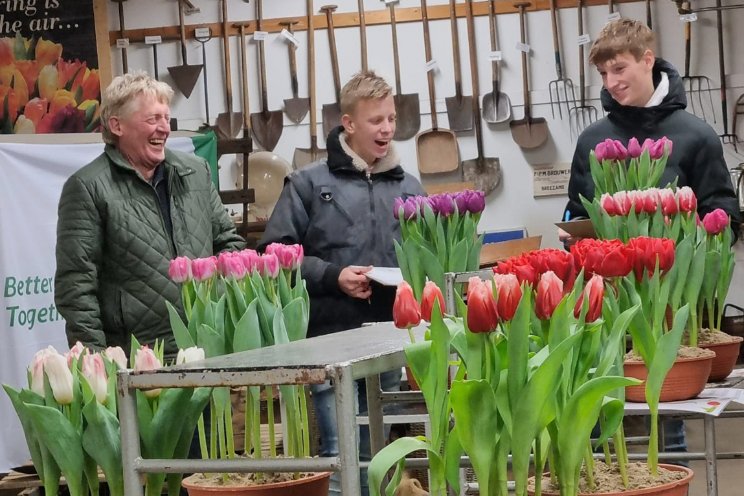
(113, 250)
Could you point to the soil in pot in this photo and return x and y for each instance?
(726, 348)
(673, 480)
(685, 380)
(254, 484)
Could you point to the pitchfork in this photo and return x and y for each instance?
(561, 86)
(694, 84)
(726, 137)
(581, 115)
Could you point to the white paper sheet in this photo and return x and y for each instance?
(387, 276)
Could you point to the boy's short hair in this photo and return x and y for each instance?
(364, 85)
(620, 36)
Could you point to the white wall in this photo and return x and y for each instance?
(511, 205)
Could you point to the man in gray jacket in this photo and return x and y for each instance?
(341, 210)
(124, 216)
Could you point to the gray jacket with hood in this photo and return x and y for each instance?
(342, 214)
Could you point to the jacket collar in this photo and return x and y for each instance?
(341, 158)
(172, 161)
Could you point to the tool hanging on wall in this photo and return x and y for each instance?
(561, 87)
(362, 34)
(124, 41)
(184, 75)
(295, 108)
(496, 104)
(203, 35)
(528, 132)
(581, 115)
(484, 172)
(304, 156)
(407, 106)
(267, 124)
(694, 84)
(459, 107)
(436, 148)
(228, 123)
(332, 111)
(154, 41)
(726, 137)
(649, 21)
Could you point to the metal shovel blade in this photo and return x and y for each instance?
(460, 112)
(437, 151)
(483, 172)
(306, 156)
(229, 124)
(529, 132)
(496, 107)
(185, 77)
(267, 128)
(331, 117)
(408, 112)
(296, 109)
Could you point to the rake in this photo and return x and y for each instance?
(695, 85)
(581, 114)
(561, 86)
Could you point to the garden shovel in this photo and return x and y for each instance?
(228, 123)
(528, 132)
(332, 111)
(267, 124)
(496, 104)
(184, 76)
(407, 107)
(459, 107)
(295, 108)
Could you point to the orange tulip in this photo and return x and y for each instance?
(12, 100)
(431, 294)
(30, 71)
(70, 74)
(406, 312)
(10, 76)
(7, 56)
(92, 85)
(35, 109)
(47, 52)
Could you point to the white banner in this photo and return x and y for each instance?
(31, 179)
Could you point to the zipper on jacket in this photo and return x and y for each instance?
(373, 217)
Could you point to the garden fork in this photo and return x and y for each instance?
(561, 87)
(581, 114)
(726, 138)
(695, 85)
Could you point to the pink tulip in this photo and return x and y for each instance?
(716, 221)
(203, 268)
(636, 200)
(94, 372)
(650, 200)
(634, 148)
(36, 369)
(660, 147)
(145, 359)
(623, 202)
(668, 202)
(509, 295)
(600, 151)
(75, 353)
(251, 260)
(116, 355)
(648, 143)
(269, 265)
(686, 199)
(231, 265)
(621, 153)
(549, 295)
(290, 256)
(180, 270)
(608, 204)
(60, 378)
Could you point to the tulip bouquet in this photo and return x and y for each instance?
(438, 236)
(532, 376)
(43, 93)
(236, 302)
(69, 418)
(617, 168)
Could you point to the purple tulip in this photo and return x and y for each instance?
(600, 151)
(477, 202)
(443, 204)
(397, 205)
(634, 148)
(611, 151)
(411, 208)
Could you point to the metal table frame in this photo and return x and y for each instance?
(341, 357)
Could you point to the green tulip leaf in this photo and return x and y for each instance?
(211, 341)
(666, 354)
(248, 330)
(20, 399)
(182, 334)
(389, 456)
(613, 411)
(102, 442)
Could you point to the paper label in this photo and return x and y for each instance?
(584, 39)
(431, 65)
(691, 17)
(551, 179)
(523, 47)
(388, 2)
(290, 37)
(260, 35)
(614, 17)
(153, 40)
(495, 56)
(202, 32)
(122, 42)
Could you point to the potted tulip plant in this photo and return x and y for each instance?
(235, 302)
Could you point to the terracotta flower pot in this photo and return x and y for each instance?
(725, 359)
(674, 488)
(685, 380)
(314, 485)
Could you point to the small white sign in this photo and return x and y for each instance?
(584, 39)
(290, 37)
(431, 65)
(495, 56)
(260, 35)
(691, 17)
(122, 42)
(202, 33)
(614, 17)
(551, 179)
(153, 40)
(523, 47)
(388, 2)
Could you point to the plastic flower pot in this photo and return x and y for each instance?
(685, 380)
(725, 359)
(313, 485)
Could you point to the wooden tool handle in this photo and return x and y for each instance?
(396, 59)
(455, 49)
(182, 31)
(363, 34)
(122, 29)
(523, 38)
(429, 74)
(244, 84)
(493, 28)
(472, 51)
(580, 9)
(311, 72)
(292, 59)
(226, 48)
(556, 42)
(262, 60)
(329, 9)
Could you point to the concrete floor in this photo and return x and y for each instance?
(729, 438)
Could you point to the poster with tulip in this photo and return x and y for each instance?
(49, 79)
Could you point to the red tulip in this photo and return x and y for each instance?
(686, 199)
(623, 202)
(482, 313)
(521, 267)
(668, 202)
(549, 295)
(594, 292)
(716, 221)
(609, 205)
(406, 312)
(608, 258)
(650, 251)
(431, 294)
(650, 200)
(509, 295)
(560, 262)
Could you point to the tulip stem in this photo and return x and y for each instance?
(270, 419)
(410, 335)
